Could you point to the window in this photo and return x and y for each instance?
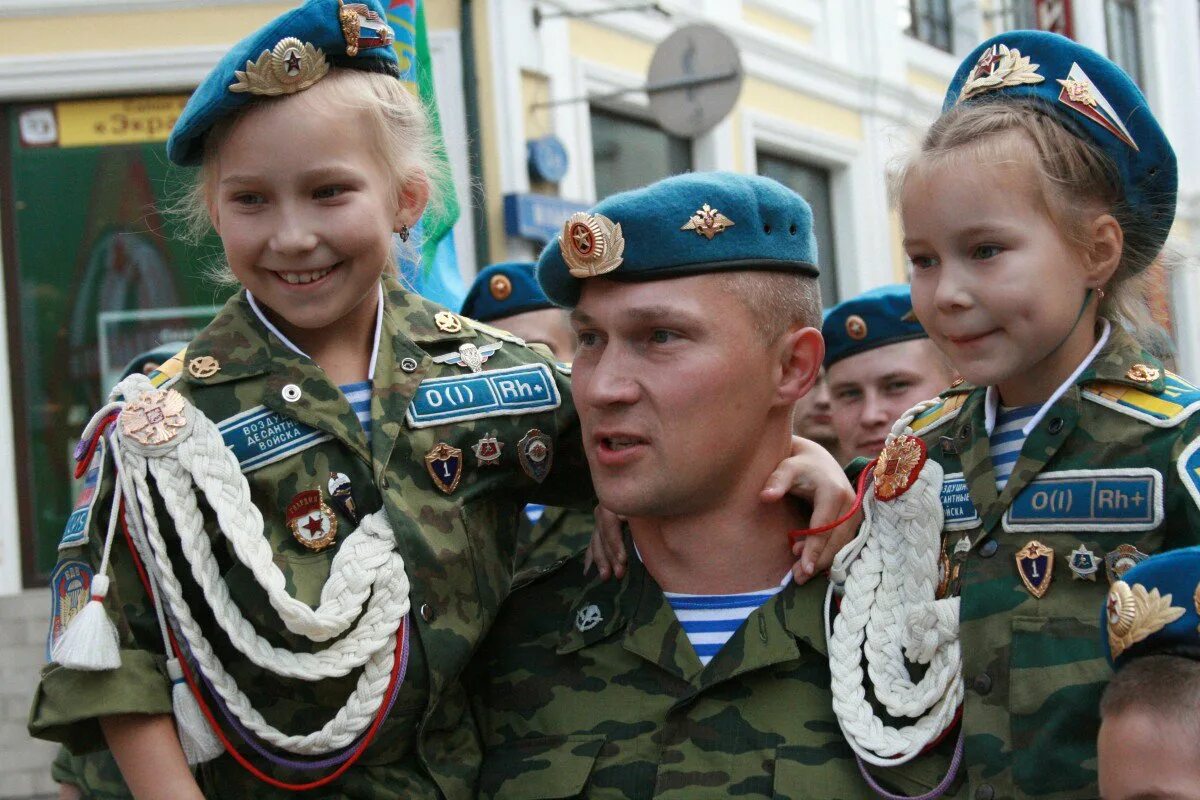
(628, 153)
(95, 275)
(1124, 36)
(811, 183)
(1017, 15)
(929, 21)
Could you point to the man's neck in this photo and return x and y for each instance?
(741, 545)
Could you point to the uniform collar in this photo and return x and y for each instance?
(636, 609)
(992, 399)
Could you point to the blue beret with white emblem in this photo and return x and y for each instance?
(872, 319)
(1092, 97)
(1154, 609)
(287, 55)
(688, 224)
(503, 290)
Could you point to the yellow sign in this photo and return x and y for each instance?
(130, 120)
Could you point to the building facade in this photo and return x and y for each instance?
(833, 94)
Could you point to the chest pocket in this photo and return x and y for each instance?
(539, 769)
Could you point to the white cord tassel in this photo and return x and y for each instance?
(90, 642)
(199, 742)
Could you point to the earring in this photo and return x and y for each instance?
(1100, 293)
(404, 235)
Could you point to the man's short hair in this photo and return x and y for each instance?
(777, 300)
(1164, 686)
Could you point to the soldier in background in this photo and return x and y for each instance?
(879, 362)
(507, 296)
(813, 418)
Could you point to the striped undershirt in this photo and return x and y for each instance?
(359, 396)
(1008, 439)
(710, 620)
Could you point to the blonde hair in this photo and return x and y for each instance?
(1076, 179)
(400, 134)
(777, 300)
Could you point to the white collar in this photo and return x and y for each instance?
(288, 342)
(992, 398)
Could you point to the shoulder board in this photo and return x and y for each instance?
(1175, 403)
(169, 371)
(498, 333)
(943, 412)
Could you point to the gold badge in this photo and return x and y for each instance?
(447, 322)
(997, 68)
(155, 417)
(1079, 91)
(1134, 614)
(707, 222)
(1143, 373)
(362, 28)
(898, 465)
(500, 287)
(856, 327)
(591, 244)
(957, 382)
(291, 66)
(1035, 565)
(203, 367)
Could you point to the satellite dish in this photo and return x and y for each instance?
(694, 80)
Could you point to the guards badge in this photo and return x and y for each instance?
(536, 453)
(311, 521)
(1035, 565)
(445, 466)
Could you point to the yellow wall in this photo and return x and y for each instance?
(143, 30)
(927, 81)
(782, 101)
(601, 46)
(442, 15)
(781, 26)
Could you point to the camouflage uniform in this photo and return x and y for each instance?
(1034, 668)
(624, 709)
(458, 549)
(95, 774)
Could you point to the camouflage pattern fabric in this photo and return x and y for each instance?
(592, 689)
(96, 774)
(559, 535)
(459, 549)
(1034, 668)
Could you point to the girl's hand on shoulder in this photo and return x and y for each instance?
(814, 475)
(607, 548)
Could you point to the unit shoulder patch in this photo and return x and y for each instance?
(958, 511)
(1129, 499)
(75, 533)
(261, 436)
(943, 412)
(70, 590)
(1177, 401)
(525, 389)
(1189, 471)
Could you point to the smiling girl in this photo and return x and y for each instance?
(1034, 209)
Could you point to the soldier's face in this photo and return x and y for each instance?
(1144, 756)
(996, 285)
(674, 392)
(306, 213)
(870, 390)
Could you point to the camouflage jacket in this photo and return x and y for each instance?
(290, 428)
(592, 689)
(96, 775)
(1113, 462)
(557, 536)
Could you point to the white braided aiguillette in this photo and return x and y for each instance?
(889, 609)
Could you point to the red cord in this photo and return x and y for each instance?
(82, 464)
(216, 727)
(854, 509)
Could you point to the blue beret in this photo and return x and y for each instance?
(503, 290)
(288, 54)
(688, 224)
(872, 319)
(1092, 97)
(1154, 609)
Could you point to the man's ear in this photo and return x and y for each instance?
(411, 200)
(801, 355)
(1103, 256)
